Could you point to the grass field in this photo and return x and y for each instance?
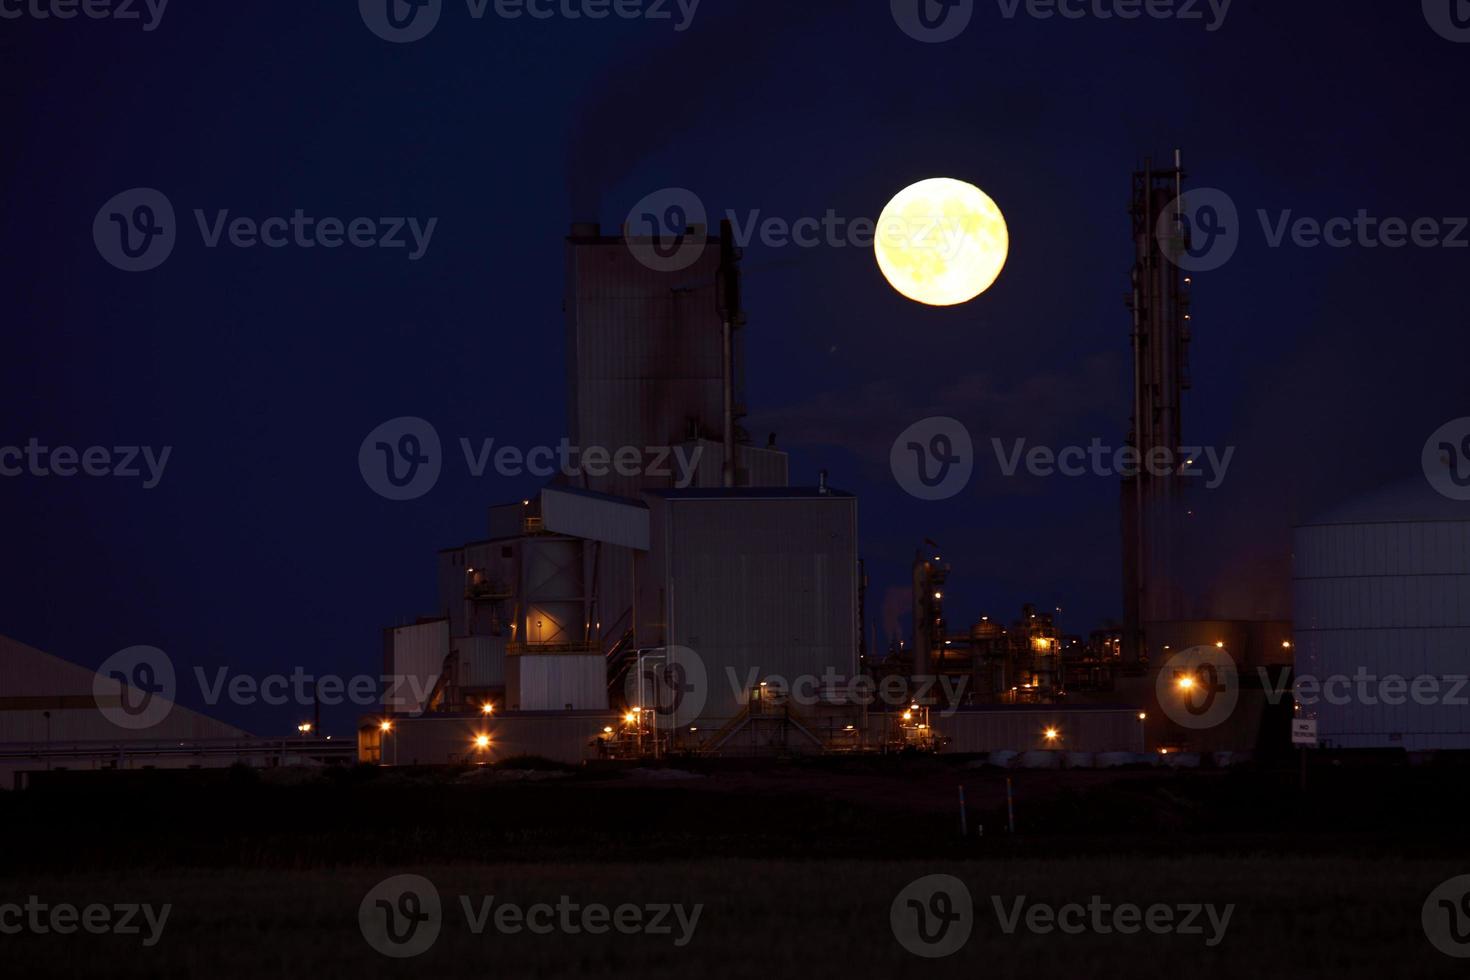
(1305, 917)
(795, 870)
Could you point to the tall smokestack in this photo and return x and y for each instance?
(730, 319)
(1160, 337)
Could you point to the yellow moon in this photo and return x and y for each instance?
(941, 242)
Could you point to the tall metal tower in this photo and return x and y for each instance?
(1160, 305)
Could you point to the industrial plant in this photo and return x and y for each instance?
(640, 611)
(624, 616)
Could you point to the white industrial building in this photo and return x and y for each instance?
(1382, 594)
(55, 714)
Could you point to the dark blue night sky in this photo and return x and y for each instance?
(262, 549)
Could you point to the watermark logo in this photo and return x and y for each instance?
(1200, 230)
(124, 919)
(121, 462)
(135, 688)
(933, 21)
(1446, 917)
(401, 21)
(1446, 459)
(671, 682)
(668, 230)
(1449, 18)
(933, 459)
(406, 21)
(1211, 12)
(150, 12)
(1103, 918)
(1198, 688)
(135, 231)
(1095, 459)
(401, 916)
(401, 459)
(933, 916)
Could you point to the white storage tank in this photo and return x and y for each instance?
(1382, 597)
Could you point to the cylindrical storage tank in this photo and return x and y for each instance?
(552, 580)
(1382, 619)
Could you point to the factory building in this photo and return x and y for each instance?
(760, 584)
(1382, 593)
(580, 603)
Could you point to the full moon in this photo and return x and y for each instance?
(941, 242)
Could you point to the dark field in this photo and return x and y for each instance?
(796, 867)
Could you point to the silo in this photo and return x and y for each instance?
(1382, 596)
(553, 662)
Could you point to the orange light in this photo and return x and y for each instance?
(1051, 734)
(386, 726)
(1186, 683)
(482, 741)
(487, 708)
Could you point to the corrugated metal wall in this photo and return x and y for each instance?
(757, 588)
(1389, 600)
(644, 352)
(415, 659)
(551, 682)
(481, 661)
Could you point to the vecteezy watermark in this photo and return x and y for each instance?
(63, 919)
(136, 231)
(934, 916)
(671, 682)
(1364, 687)
(668, 230)
(934, 458)
(1199, 687)
(1097, 459)
(1450, 19)
(406, 21)
(1101, 918)
(403, 916)
(933, 21)
(829, 687)
(1446, 459)
(135, 688)
(674, 684)
(1211, 13)
(148, 12)
(403, 458)
(937, 21)
(1201, 229)
(1446, 917)
(119, 462)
